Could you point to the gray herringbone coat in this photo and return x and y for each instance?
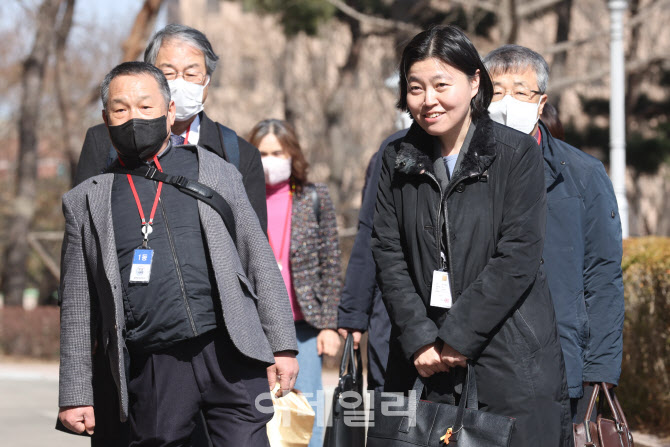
(256, 308)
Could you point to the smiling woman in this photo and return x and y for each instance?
(458, 237)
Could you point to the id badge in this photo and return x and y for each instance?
(140, 271)
(440, 293)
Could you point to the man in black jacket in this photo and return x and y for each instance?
(187, 60)
(361, 307)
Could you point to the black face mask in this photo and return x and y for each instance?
(138, 139)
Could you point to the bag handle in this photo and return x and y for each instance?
(469, 399)
(617, 412)
(351, 359)
(589, 412)
(615, 408)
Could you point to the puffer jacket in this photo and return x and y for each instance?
(491, 214)
(582, 254)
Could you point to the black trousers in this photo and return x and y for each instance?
(579, 405)
(168, 389)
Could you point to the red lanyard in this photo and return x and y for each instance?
(139, 205)
(188, 131)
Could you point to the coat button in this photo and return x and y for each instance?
(541, 261)
(613, 214)
(460, 187)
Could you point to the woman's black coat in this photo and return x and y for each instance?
(502, 317)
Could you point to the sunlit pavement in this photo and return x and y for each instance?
(29, 406)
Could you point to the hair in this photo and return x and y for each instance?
(288, 139)
(552, 121)
(449, 44)
(515, 59)
(184, 34)
(134, 69)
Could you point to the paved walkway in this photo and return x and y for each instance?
(29, 407)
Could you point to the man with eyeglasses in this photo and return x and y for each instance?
(186, 58)
(582, 248)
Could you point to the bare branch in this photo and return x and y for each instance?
(373, 21)
(522, 11)
(133, 45)
(530, 8)
(47, 259)
(636, 20)
(135, 42)
(485, 5)
(631, 67)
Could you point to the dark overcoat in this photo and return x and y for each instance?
(582, 253)
(489, 220)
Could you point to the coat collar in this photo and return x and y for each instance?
(416, 152)
(209, 135)
(553, 162)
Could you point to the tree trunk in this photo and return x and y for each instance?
(34, 67)
(133, 46)
(634, 80)
(563, 11)
(70, 136)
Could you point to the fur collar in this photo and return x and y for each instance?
(416, 152)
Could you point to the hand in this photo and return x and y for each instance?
(327, 342)
(344, 331)
(285, 369)
(452, 357)
(427, 361)
(78, 419)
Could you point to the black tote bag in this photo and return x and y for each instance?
(401, 421)
(348, 411)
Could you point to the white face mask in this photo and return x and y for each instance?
(276, 169)
(187, 97)
(516, 114)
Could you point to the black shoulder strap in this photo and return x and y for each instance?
(316, 205)
(230, 146)
(192, 188)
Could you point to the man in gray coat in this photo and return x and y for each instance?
(189, 317)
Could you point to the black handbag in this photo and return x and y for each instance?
(401, 421)
(348, 411)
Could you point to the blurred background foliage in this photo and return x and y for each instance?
(644, 388)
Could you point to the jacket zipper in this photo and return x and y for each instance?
(438, 226)
(446, 224)
(176, 264)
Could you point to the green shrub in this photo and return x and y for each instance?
(30, 333)
(644, 388)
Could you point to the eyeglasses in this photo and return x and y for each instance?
(189, 76)
(519, 93)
